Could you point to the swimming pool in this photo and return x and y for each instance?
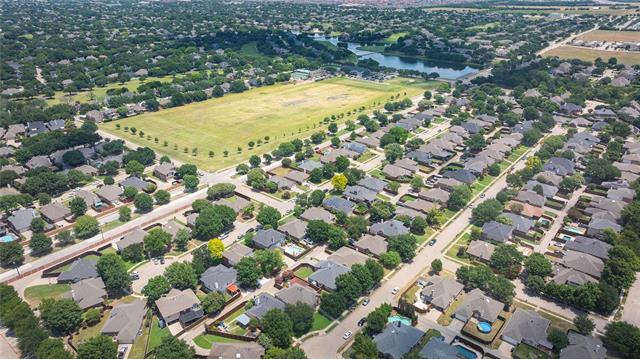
(399, 318)
(465, 353)
(484, 327)
(574, 229)
(7, 238)
(293, 249)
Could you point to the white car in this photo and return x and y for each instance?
(395, 290)
(347, 335)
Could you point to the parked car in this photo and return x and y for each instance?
(365, 301)
(122, 352)
(161, 260)
(134, 275)
(362, 321)
(347, 335)
(432, 242)
(395, 290)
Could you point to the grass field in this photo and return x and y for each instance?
(282, 112)
(34, 295)
(540, 10)
(319, 322)
(609, 35)
(99, 93)
(572, 52)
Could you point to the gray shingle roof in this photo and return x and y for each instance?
(80, 269)
(134, 237)
(250, 350)
(496, 231)
(441, 291)
(584, 263)
(477, 304)
(236, 252)
(125, 320)
(268, 238)
(326, 273)
(298, 293)
(88, 292)
(336, 203)
(595, 247)
(527, 326)
(218, 278)
(263, 303)
(438, 349)
(389, 228)
(397, 339)
(583, 347)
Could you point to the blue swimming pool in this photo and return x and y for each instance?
(399, 318)
(7, 238)
(465, 353)
(484, 327)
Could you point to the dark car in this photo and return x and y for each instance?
(362, 321)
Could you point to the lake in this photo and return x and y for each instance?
(446, 70)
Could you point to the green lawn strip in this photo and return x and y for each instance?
(304, 272)
(87, 333)
(462, 241)
(515, 154)
(206, 341)
(34, 295)
(367, 156)
(524, 351)
(447, 317)
(557, 322)
(157, 333)
(319, 322)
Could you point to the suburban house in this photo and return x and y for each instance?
(110, 193)
(219, 279)
(182, 305)
(527, 326)
(583, 347)
(347, 257)
(263, 303)
(326, 273)
(54, 212)
(435, 195)
(584, 263)
(521, 225)
(338, 204)
(317, 213)
(268, 239)
(438, 349)
(359, 194)
(496, 231)
(463, 176)
(173, 227)
(478, 305)
(389, 228)
(135, 182)
(592, 246)
(481, 250)
(241, 350)
(371, 244)
(235, 253)
(20, 220)
(396, 340)
(90, 199)
(295, 229)
(570, 276)
(88, 293)
(165, 171)
(372, 183)
(297, 176)
(81, 268)
(298, 293)
(125, 320)
(440, 292)
(134, 237)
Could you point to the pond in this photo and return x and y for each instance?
(446, 70)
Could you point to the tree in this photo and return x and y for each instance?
(356, 226)
(86, 227)
(506, 259)
(270, 261)
(362, 275)
(393, 152)
(212, 221)
(332, 304)
(52, 348)
(181, 275)
(486, 211)
(216, 247)
(190, 182)
(173, 348)
(609, 299)
(268, 216)
(364, 347)
(124, 214)
(405, 245)
(40, 244)
(618, 273)
(78, 206)
(459, 197)
(584, 324)
(37, 225)
(301, 316)
(156, 242)
(181, 239)
(143, 202)
(65, 238)
(213, 302)
(537, 264)
(220, 190)
(390, 259)
(113, 272)
(249, 272)
(339, 182)
(134, 168)
(99, 347)
(11, 254)
(533, 163)
(162, 197)
(278, 326)
(348, 286)
(475, 142)
(129, 192)
(623, 338)
(436, 266)
(60, 316)
(156, 287)
(600, 169)
(254, 161)
(320, 232)
(416, 183)
(558, 338)
(376, 271)
(502, 289)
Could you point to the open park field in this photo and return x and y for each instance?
(281, 112)
(586, 54)
(569, 10)
(611, 36)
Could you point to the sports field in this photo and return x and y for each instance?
(281, 112)
(586, 54)
(611, 36)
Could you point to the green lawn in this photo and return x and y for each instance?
(304, 272)
(90, 332)
(34, 295)
(282, 112)
(462, 241)
(206, 341)
(157, 333)
(319, 322)
(524, 351)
